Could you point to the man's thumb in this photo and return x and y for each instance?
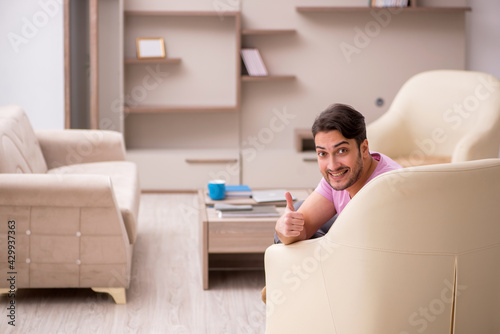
(289, 201)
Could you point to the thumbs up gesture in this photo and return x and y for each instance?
(289, 201)
(290, 226)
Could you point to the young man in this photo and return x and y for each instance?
(346, 165)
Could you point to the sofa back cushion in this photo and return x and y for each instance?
(20, 151)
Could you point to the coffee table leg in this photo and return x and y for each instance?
(204, 255)
(203, 239)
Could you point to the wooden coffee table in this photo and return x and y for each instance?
(235, 243)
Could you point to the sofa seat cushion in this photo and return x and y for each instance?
(125, 181)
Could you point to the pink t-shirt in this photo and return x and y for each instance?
(341, 198)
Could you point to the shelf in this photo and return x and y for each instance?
(255, 32)
(227, 35)
(308, 9)
(153, 61)
(248, 78)
(180, 13)
(173, 109)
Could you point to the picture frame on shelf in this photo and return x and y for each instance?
(150, 48)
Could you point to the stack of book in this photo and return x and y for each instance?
(252, 63)
(238, 191)
(245, 211)
(388, 3)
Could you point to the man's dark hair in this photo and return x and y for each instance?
(343, 118)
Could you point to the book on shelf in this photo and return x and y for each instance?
(388, 3)
(258, 211)
(238, 191)
(253, 63)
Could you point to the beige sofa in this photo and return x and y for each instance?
(417, 250)
(68, 207)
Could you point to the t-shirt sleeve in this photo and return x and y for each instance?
(324, 190)
(385, 165)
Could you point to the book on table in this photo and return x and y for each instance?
(238, 191)
(258, 211)
(272, 195)
(232, 207)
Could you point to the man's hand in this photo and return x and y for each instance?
(291, 223)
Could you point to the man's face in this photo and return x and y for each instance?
(340, 160)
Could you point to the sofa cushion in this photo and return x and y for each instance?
(125, 181)
(19, 147)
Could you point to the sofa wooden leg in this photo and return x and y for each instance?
(118, 294)
(4, 291)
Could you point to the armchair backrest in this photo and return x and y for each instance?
(419, 248)
(20, 151)
(438, 113)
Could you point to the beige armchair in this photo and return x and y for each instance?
(416, 251)
(441, 116)
(68, 208)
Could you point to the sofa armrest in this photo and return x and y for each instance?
(68, 147)
(87, 195)
(68, 230)
(58, 190)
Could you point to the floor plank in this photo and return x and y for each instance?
(166, 294)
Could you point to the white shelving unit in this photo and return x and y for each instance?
(201, 117)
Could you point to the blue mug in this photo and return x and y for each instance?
(217, 189)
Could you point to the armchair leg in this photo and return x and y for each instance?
(118, 294)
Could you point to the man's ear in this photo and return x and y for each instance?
(365, 151)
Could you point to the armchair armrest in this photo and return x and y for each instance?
(68, 147)
(387, 135)
(296, 288)
(481, 143)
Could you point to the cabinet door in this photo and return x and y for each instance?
(281, 169)
(184, 170)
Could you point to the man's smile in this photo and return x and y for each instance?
(338, 173)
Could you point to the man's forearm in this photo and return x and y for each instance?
(290, 240)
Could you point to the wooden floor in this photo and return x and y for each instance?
(166, 294)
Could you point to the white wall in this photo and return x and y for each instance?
(483, 37)
(32, 60)
(31, 70)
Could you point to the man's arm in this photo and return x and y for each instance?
(300, 225)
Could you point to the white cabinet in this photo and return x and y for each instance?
(184, 169)
(281, 169)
